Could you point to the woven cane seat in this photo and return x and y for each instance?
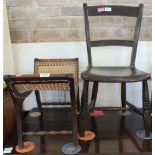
(30, 82)
(54, 67)
(57, 66)
(21, 88)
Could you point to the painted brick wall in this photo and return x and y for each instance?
(62, 20)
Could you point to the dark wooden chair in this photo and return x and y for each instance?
(21, 86)
(57, 66)
(122, 75)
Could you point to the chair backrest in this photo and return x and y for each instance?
(57, 66)
(113, 10)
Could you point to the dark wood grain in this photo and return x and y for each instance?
(87, 32)
(136, 35)
(73, 112)
(84, 106)
(38, 99)
(123, 94)
(115, 10)
(94, 95)
(99, 43)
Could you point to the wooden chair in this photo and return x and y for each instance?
(21, 86)
(57, 66)
(114, 74)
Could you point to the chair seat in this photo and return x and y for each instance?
(114, 74)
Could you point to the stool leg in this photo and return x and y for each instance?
(94, 95)
(146, 109)
(84, 107)
(73, 113)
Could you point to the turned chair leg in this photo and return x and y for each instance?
(94, 95)
(146, 109)
(84, 107)
(73, 113)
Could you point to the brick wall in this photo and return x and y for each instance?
(62, 20)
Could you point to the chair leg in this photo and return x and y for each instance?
(73, 113)
(94, 95)
(123, 95)
(18, 101)
(84, 107)
(146, 109)
(78, 101)
(123, 100)
(38, 101)
(73, 148)
(19, 124)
